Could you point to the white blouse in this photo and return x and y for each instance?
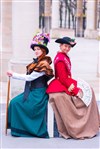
(34, 75)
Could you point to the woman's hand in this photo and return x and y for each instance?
(72, 86)
(9, 74)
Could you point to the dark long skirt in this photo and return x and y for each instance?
(27, 119)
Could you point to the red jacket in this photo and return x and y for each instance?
(63, 79)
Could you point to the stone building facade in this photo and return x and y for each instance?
(21, 19)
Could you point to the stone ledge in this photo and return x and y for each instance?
(91, 34)
(61, 32)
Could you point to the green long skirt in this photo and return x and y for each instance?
(27, 119)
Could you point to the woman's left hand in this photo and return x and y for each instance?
(9, 73)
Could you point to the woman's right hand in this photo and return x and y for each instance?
(72, 86)
(9, 74)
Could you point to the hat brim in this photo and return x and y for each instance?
(41, 46)
(63, 41)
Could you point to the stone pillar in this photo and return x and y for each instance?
(6, 26)
(79, 19)
(55, 14)
(47, 14)
(25, 23)
(55, 18)
(91, 31)
(6, 39)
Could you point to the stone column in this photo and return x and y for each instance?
(91, 31)
(55, 14)
(6, 39)
(79, 19)
(6, 26)
(55, 18)
(25, 23)
(47, 14)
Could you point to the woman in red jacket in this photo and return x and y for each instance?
(73, 101)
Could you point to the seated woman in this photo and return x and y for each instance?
(73, 101)
(26, 112)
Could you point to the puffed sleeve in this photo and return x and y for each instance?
(34, 75)
(64, 78)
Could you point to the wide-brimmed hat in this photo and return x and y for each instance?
(66, 40)
(41, 40)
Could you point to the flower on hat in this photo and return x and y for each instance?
(72, 42)
(39, 38)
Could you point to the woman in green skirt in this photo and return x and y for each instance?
(27, 111)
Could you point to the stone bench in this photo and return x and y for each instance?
(51, 122)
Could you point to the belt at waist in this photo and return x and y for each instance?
(38, 83)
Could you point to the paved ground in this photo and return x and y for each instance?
(84, 59)
(9, 142)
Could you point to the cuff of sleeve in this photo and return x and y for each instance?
(70, 81)
(14, 74)
(75, 91)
